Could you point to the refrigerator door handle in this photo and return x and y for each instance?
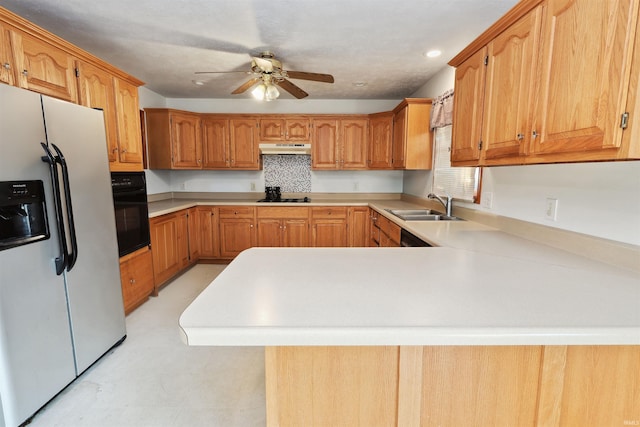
(73, 255)
(61, 261)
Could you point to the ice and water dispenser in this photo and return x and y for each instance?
(23, 213)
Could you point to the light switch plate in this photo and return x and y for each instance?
(487, 200)
(551, 212)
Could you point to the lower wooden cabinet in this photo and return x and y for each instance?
(358, 226)
(283, 226)
(389, 232)
(329, 226)
(209, 233)
(237, 230)
(136, 277)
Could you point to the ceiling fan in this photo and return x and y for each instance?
(268, 72)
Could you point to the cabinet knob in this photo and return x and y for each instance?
(7, 66)
(534, 134)
(115, 150)
(132, 281)
(25, 73)
(520, 136)
(124, 150)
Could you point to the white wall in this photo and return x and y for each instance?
(600, 199)
(241, 181)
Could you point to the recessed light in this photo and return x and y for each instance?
(433, 53)
(197, 82)
(359, 84)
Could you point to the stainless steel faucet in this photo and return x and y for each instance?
(447, 204)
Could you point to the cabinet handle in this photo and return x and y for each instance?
(520, 136)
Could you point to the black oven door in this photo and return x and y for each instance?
(132, 214)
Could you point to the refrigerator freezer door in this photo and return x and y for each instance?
(93, 284)
(36, 356)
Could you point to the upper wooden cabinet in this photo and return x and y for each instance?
(380, 141)
(339, 142)
(119, 102)
(7, 61)
(549, 82)
(289, 129)
(243, 144)
(185, 140)
(37, 60)
(174, 139)
(412, 139)
(44, 68)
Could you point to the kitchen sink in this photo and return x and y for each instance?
(421, 215)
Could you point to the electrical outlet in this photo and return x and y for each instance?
(551, 212)
(487, 200)
(253, 186)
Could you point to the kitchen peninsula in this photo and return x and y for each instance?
(508, 333)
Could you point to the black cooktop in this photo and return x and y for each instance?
(280, 200)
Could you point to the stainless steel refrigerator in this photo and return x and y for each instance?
(60, 294)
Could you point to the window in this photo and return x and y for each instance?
(461, 183)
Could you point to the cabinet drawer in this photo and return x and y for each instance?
(391, 229)
(236, 211)
(329, 212)
(281, 212)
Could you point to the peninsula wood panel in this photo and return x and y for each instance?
(349, 386)
(480, 386)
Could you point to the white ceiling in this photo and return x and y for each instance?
(164, 42)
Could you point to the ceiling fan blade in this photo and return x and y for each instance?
(246, 85)
(292, 89)
(316, 77)
(222, 72)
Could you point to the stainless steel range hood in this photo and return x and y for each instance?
(283, 148)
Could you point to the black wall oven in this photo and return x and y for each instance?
(132, 213)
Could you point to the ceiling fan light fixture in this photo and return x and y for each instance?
(259, 91)
(271, 93)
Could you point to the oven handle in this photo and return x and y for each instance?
(73, 256)
(61, 261)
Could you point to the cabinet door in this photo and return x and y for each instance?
(297, 130)
(295, 233)
(182, 238)
(324, 153)
(215, 143)
(354, 134)
(96, 90)
(586, 49)
(329, 232)
(358, 226)
(136, 276)
(399, 138)
(270, 232)
(245, 153)
(166, 260)
(467, 109)
(186, 144)
(509, 88)
(195, 231)
(272, 130)
(209, 237)
(236, 235)
(128, 120)
(44, 68)
(381, 128)
(7, 62)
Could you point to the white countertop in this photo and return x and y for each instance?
(486, 288)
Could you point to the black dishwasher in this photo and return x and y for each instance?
(409, 240)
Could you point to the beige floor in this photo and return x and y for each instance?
(155, 380)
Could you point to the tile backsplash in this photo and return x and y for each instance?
(292, 173)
